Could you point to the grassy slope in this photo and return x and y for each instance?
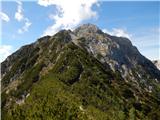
(80, 88)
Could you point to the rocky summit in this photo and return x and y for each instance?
(83, 74)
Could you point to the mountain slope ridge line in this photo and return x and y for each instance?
(105, 75)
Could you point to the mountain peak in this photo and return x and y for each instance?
(79, 72)
(87, 28)
(89, 25)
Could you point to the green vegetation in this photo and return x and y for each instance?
(77, 87)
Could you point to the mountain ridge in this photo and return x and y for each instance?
(94, 66)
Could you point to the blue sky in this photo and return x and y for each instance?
(137, 20)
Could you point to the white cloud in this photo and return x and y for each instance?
(69, 14)
(25, 27)
(5, 51)
(19, 13)
(19, 16)
(118, 32)
(4, 16)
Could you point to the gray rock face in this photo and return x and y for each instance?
(157, 63)
(117, 52)
(86, 29)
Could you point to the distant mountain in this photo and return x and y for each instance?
(83, 74)
(157, 63)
